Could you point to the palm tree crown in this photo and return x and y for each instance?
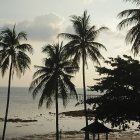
(132, 19)
(83, 40)
(56, 71)
(12, 52)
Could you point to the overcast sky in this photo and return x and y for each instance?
(44, 19)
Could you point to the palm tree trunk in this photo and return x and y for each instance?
(57, 124)
(7, 106)
(85, 105)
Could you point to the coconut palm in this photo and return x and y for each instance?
(82, 44)
(13, 57)
(53, 79)
(131, 17)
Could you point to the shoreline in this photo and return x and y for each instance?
(130, 134)
(79, 135)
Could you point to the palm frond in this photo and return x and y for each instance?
(38, 85)
(49, 50)
(42, 99)
(22, 62)
(132, 17)
(63, 92)
(49, 102)
(133, 37)
(98, 45)
(69, 36)
(22, 36)
(70, 86)
(77, 25)
(6, 32)
(44, 71)
(132, 34)
(48, 91)
(3, 45)
(45, 98)
(76, 58)
(128, 12)
(95, 55)
(134, 1)
(103, 28)
(25, 48)
(72, 47)
(4, 66)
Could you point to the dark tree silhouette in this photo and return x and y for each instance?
(82, 44)
(131, 18)
(13, 57)
(53, 79)
(121, 87)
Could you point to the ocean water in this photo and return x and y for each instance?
(23, 106)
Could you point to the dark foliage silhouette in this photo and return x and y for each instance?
(13, 57)
(120, 85)
(82, 44)
(53, 79)
(131, 18)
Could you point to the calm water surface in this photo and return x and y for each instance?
(23, 106)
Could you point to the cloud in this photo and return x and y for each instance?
(114, 42)
(69, 29)
(41, 28)
(87, 1)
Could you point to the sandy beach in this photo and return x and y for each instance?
(78, 135)
(34, 124)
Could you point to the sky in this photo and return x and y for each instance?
(43, 20)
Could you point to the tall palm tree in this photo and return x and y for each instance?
(131, 17)
(13, 57)
(82, 44)
(53, 79)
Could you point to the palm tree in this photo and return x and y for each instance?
(82, 44)
(53, 79)
(13, 57)
(132, 19)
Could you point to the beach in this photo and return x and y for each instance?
(78, 135)
(26, 119)
(27, 122)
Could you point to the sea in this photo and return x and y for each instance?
(23, 106)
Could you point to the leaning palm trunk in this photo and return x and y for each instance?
(85, 105)
(8, 99)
